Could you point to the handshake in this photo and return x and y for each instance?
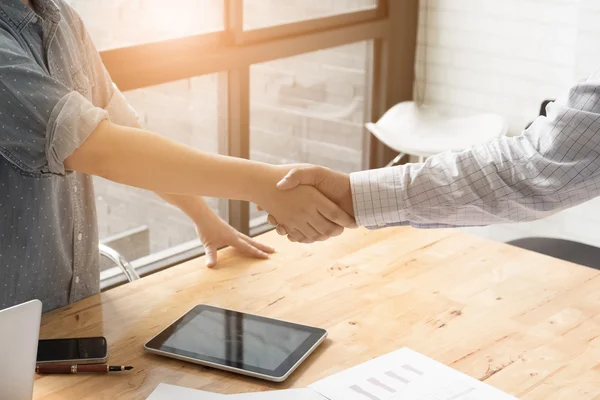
(309, 204)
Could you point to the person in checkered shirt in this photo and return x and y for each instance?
(553, 165)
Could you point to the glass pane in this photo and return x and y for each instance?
(262, 13)
(136, 222)
(119, 23)
(310, 109)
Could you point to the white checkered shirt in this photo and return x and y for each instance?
(553, 165)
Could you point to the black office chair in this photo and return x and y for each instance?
(542, 110)
(567, 250)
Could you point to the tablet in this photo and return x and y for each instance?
(247, 344)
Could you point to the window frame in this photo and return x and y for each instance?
(233, 51)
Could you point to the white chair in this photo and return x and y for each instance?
(116, 257)
(422, 131)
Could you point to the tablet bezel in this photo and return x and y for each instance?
(316, 337)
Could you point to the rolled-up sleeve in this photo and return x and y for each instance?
(118, 108)
(42, 121)
(105, 93)
(71, 122)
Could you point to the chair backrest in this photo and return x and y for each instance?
(567, 250)
(543, 107)
(542, 110)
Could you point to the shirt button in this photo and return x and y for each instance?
(76, 279)
(79, 237)
(75, 189)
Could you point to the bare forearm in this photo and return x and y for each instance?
(149, 161)
(193, 206)
(140, 158)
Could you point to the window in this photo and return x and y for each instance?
(308, 84)
(310, 109)
(119, 23)
(138, 223)
(263, 13)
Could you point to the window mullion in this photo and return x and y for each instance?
(238, 104)
(234, 18)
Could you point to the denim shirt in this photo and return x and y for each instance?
(54, 91)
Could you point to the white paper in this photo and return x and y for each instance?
(291, 394)
(401, 375)
(444, 383)
(405, 375)
(452, 385)
(453, 389)
(171, 392)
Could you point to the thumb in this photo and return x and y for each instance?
(299, 176)
(211, 256)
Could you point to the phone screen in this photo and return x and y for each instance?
(71, 349)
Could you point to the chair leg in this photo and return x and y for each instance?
(396, 160)
(120, 261)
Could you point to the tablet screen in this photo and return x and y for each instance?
(239, 340)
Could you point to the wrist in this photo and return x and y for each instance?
(264, 184)
(347, 203)
(195, 208)
(201, 212)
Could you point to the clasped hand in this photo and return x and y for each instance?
(310, 204)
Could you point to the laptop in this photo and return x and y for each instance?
(19, 335)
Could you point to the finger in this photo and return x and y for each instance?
(328, 232)
(258, 245)
(281, 230)
(249, 250)
(211, 256)
(300, 176)
(325, 227)
(333, 213)
(310, 234)
(295, 236)
(323, 222)
(272, 221)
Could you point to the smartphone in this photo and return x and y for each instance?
(90, 350)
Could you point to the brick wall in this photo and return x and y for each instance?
(507, 56)
(309, 108)
(587, 56)
(503, 56)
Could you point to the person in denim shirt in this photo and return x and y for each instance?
(63, 120)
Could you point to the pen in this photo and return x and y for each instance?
(75, 369)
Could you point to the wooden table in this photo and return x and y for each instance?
(525, 323)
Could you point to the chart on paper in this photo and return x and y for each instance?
(405, 375)
(381, 379)
(449, 384)
(386, 384)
